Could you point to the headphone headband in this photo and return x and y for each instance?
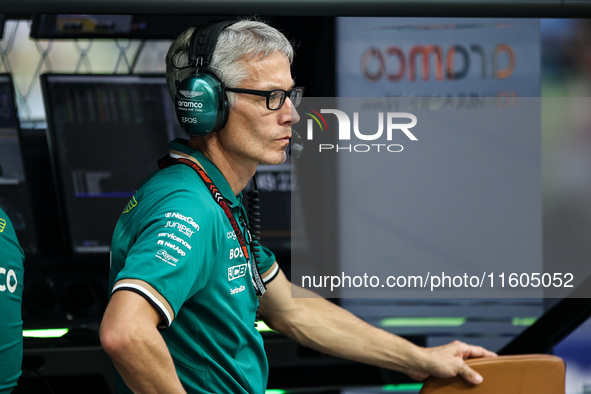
(203, 42)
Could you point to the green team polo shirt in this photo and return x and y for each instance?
(174, 245)
(11, 296)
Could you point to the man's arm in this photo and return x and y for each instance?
(129, 335)
(322, 325)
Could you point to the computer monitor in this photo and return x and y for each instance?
(105, 134)
(140, 26)
(14, 191)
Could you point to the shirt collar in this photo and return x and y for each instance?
(181, 147)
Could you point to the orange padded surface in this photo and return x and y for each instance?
(523, 374)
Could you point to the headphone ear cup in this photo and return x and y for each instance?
(201, 105)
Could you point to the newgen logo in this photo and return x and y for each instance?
(389, 126)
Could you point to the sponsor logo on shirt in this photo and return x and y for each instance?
(180, 227)
(237, 271)
(172, 246)
(236, 253)
(237, 290)
(2, 225)
(130, 205)
(7, 279)
(166, 257)
(173, 237)
(187, 219)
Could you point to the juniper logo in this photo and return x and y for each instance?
(389, 124)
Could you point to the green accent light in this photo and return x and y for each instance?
(403, 387)
(263, 327)
(423, 321)
(46, 333)
(275, 391)
(523, 321)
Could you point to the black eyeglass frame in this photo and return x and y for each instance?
(267, 94)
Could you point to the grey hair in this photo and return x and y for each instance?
(244, 40)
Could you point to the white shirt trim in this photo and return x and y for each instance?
(271, 275)
(146, 293)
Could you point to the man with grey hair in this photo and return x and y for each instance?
(185, 283)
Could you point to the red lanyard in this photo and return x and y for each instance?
(257, 281)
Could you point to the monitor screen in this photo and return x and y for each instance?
(105, 134)
(113, 26)
(14, 191)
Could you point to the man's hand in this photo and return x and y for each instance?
(447, 361)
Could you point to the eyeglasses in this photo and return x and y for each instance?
(276, 97)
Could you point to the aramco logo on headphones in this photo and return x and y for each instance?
(373, 141)
(189, 94)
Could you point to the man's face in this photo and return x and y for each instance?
(253, 132)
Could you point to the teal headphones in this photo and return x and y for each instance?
(200, 100)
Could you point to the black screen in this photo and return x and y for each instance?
(14, 191)
(105, 134)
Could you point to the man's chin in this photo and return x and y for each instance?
(275, 160)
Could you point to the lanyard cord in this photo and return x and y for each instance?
(254, 219)
(257, 281)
